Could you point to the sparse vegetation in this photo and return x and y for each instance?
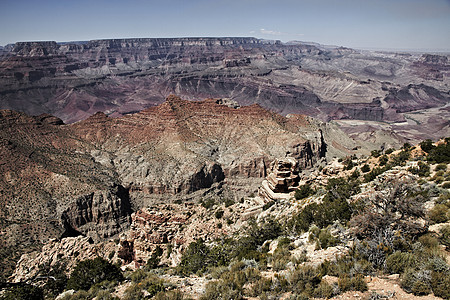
(208, 203)
(440, 153)
(389, 151)
(365, 168)
(427, 145)
(422, 170)
(387, 225)
(303, 192)
(23, 292)
(92, 271)
(219, 213)
(375, 153)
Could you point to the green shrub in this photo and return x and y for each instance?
(334, 206)
(426, 145)
(229, 202)
(373, 174)
(429, 242)
(280, 258)
(359, 284)
(143, 281)
(269, 204)
(252, 274)
(56, 279)
(445, 235)
(446, 185)
(208, 203)
(198, 257)
(439, 213)
(420, 288)
(105, 295)
(314, 232)
(344, 283)
(356, 283)
(383, 160)
(398, 261)
(153, 287)
(138, 275)
(440, 153)
(218, 214)
(92, 271)
(440, 283)
(284, 242)
(365, 168)
(355, 175)
(326, 239)
(261, 286)
(305, 279)
(24, 292)
(303, 192)
(438, 179)
(134, 292)
(348, 163)
(153, 261)
(438, 264)
(375, 153)
(439, 173)
(169, 295)
(220, 291)
(323, 290)
(422, 170)
(441, 167)
(80, 295)
(401, 158)
(255, 236)
(389, 151)
(414, 281)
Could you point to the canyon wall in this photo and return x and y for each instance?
(120, 76)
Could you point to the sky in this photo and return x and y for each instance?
(370, 24)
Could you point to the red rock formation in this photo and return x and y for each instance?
(64, 180)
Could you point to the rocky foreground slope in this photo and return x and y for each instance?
(374, 227)
(87, 178)
(75, 80)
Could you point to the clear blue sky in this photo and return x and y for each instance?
(389, 24)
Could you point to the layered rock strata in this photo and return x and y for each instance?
(283, 180)
(122, 76)
(84, 179)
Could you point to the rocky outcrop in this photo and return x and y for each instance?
(281, 181)
(99, 215)
(35, 48)
(64, 254)
(284, 176)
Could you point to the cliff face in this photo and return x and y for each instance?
(100, 214)
(122, 76)
(182, 146)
